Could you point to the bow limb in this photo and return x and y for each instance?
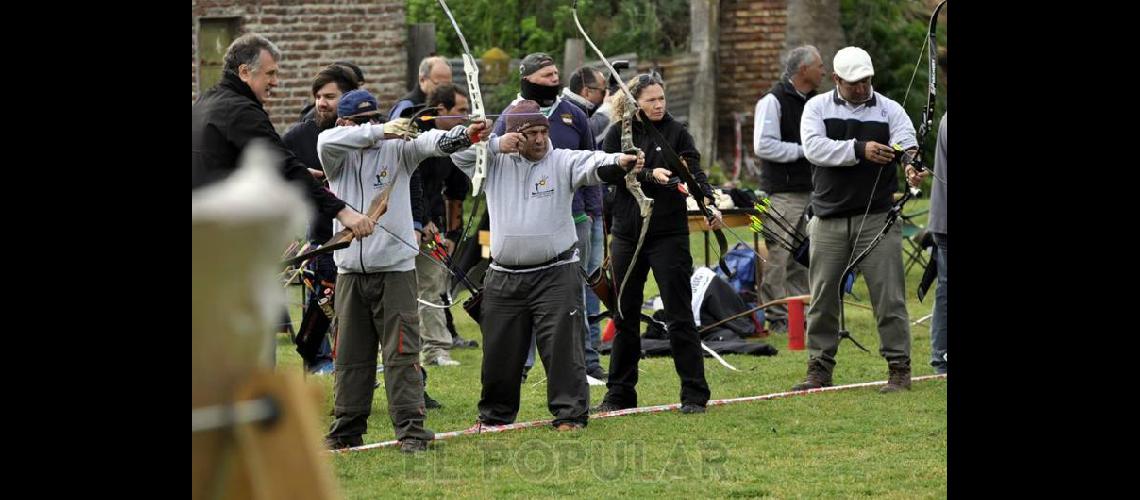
(644, 203)
(475, 97)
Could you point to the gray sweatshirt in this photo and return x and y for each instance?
(359, 165)
(937, 220)
(529, 201)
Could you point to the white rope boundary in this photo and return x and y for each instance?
(491, 429)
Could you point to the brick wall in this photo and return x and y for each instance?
(752, 37)
(311, 34)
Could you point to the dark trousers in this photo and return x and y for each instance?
(547, 303)
(378, 310)
(672, 265)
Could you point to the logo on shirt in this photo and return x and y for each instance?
(381, 179)
(568, 119)
(543, 188)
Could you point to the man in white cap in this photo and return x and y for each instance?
(848, 135)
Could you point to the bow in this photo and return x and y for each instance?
(471, 70)
(644, 203)
(928, 111)
(916, 160)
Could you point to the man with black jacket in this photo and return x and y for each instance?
(586, 90)
(785, 174)
(230, 115)
(312, 340)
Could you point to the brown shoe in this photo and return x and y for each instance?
(342, 442)
(897, 379)
(413, 445)
(817, 376)
(569, 426)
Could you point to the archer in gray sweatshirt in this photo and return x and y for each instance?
(529, 288)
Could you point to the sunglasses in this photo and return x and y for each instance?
(360, 120)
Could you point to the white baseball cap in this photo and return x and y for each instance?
(853, 64)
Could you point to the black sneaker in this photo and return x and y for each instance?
(431, 403)
(598, 373)
(778, 326)
(692, 408)
(606, 406)
(458, 342)
(342, 442)
(413, 445)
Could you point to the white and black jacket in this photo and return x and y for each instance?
(834, 134)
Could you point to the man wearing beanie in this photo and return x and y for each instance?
(533, 286)
(376, 280)
(569, 129)
(848, 135)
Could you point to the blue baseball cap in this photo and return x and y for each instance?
(356, 102)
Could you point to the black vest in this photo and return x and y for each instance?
(795, 176)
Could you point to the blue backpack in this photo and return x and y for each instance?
(742, 260)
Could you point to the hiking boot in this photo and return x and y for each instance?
(897, 379)
(817, 376)
(342, 442)
(604, 407)
(569, 427)
(689, 408)
(413, 445)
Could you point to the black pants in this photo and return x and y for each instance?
(547, 303)
(672, 265)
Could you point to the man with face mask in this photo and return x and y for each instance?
(569, 127)
(848, 134)
(533, 287)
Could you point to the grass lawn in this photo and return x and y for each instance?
(845, 443)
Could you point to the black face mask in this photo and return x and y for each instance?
(542, 94)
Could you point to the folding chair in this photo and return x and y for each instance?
(916, 240)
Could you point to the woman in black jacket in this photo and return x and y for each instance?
(665, 250)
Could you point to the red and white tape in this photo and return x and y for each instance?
(491, 429)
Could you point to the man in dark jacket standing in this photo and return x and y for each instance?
(312, 340)
(586, 90)
(785, 174)
(230, 115)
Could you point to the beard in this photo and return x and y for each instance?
(325, 119)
